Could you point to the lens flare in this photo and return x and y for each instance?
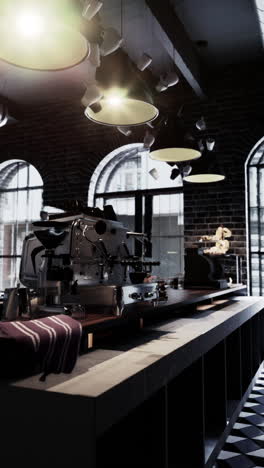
(30, 24)
(115, 100)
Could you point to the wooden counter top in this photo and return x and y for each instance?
(121, 377)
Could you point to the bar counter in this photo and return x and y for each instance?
(162, 399)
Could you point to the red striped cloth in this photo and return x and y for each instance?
(49, 344)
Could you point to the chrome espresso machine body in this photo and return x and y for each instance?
(82, 261)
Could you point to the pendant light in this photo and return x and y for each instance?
(126, 102)
(118, 110)
(172, 146)
(34, 38)
(207, 170)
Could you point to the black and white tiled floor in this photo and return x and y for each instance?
(244, 448)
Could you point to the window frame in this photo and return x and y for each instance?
(27, 188)
(258, 165)
(141, 223)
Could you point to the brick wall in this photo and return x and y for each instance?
(233, 113)
(65, 147)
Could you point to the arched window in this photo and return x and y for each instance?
(255, 218)
(21, 189)
(146, 200)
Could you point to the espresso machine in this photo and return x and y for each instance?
(83, 260)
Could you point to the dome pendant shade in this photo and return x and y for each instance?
(204, 178)
(128, 112)
(57, 48)
(175, 154)
(207, 170)
(171, 144)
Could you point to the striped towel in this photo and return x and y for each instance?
(49, 344)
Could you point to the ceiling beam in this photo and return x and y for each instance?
(177, 43)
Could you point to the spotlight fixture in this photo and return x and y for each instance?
(154, 173)
(186, 170)
(210, 143)
(91, 96)
(167, 80)
(3, 115)
(33, 40)
(149, 139)
(170, 145)
(125, 131)
(91, 8)
(175, 173)
(170, 79)
(119, 110)
(94, 57)
(208, 170)
(201, 124)
(150, 124)
(201, 145)
(144, 61)
(111, 41)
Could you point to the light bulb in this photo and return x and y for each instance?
(115, 100)
(30, 24)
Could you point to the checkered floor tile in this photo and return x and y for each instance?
(244, 448)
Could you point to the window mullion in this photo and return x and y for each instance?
(138, 223)
(148, 223)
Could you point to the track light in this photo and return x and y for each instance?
(175, 173)
(91, 8)
(207, 170)
(154, 173)
(125, 131)
(210, 143)
(144, 61)
(149, 139)
(170, 145)
(91, 96)
(111, 41)
(160, 87)
(170, 79)
(201, 145)
(3, 115)
(94, 57)
(167, 80)
(201, 124)
(186, 170)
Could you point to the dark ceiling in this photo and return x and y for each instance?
(230, 28)
(166, 30)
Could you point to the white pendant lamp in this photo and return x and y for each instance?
(36, 40)
(116, 109)
(206, 171)
(170, 145)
